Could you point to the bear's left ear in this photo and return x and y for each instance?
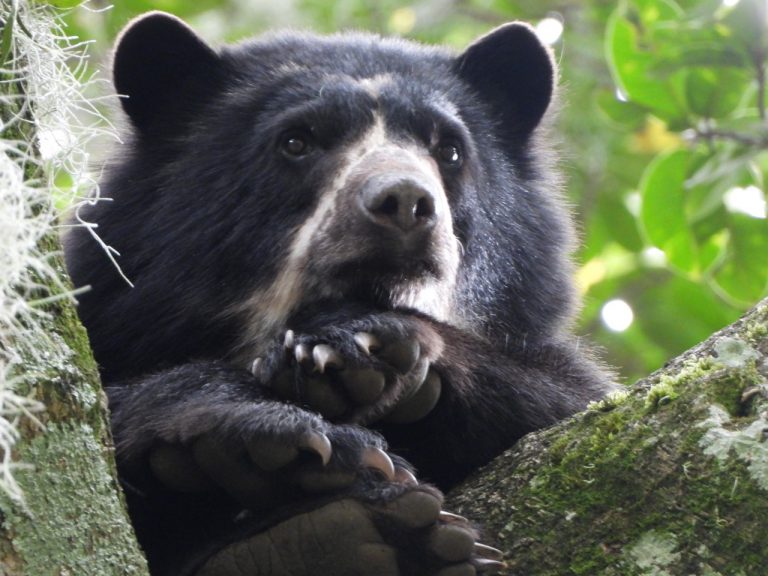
(164, 71)
(514, 73)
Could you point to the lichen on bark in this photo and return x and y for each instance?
(64, 513)
(72, 519)
(671, 478)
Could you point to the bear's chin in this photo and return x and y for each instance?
(381, 284)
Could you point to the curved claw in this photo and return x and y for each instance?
(488, 552)
(303, 354)
(367, 342)
(377, 459)
(318, 443)
(290, 339)
(326, 357)
(256, 366)
(483, 566)
(450, 518)
(405, 476)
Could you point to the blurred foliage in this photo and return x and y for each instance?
(664, 139)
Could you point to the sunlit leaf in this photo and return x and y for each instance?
(744, 274)
(713, 250)
(620, 223)
(628, 114)
(663, 212)
(632, 57)
(715, 92)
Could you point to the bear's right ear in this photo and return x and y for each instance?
(162, 70)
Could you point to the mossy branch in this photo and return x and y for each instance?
(669, 478)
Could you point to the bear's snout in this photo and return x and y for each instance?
(399, 202)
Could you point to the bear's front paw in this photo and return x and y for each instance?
(406, 534)
(379, 369)
(271, 455)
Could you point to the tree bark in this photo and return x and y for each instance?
(72, 519)
(669, 479)
(67, 516)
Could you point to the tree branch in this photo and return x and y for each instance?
(670, 479)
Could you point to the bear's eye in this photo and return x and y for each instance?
(449, 154)
(296, 144)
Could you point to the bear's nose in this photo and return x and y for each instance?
(400, 202)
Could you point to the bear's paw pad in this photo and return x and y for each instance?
(407, 536)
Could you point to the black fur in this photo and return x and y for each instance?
(206, 204)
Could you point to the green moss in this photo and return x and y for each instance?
(691, 371)
(587, 562)
(611, 401)
(756, 331)
(726, 387)
(660, 394)
(73, 521)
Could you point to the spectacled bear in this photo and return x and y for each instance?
(343, 262)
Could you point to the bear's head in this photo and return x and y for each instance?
(294, 170)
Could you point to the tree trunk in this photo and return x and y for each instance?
(60, 508)
(669, 479)
(71, 519)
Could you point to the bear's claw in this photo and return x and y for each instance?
(377, 459)
(325, 356)
(318, 443)
(367, 342)
(488, 552)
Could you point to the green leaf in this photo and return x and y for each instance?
(744, 274)
(663, 211)
(715, 92)
(713, 249)
(633, 59)
(627, 114)
(620, 223)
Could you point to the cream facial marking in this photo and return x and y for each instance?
(268, 308)
(373, 85)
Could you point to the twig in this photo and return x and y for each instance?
(759, 141)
